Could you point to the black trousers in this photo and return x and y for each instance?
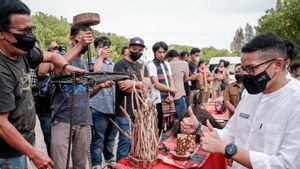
(159, 117)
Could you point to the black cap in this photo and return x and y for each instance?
(136, 41)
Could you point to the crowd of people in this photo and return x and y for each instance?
(262, 132)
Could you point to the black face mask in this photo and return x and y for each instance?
(82, 50)
(238, 77)
(135, 55)
(24, 42)
(256, 84)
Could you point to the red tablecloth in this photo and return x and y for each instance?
(210, 107)
(214, 161)
(199, 159)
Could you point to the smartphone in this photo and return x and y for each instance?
(106, 43)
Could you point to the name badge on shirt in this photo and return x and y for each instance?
(243, 115)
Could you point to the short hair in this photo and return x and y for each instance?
(295, 66)
(291, 50)
(183, 53)
(158, 45)
(237, 65)
(9, 8)
(201, 61)
(123, 50)
(267, 44)
(99, 40)
(226, 63)
(195, 50)
(76, 29)
(172, 53)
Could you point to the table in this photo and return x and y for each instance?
(199, 159)
(214, 161)
(211, 160)
(210, 107)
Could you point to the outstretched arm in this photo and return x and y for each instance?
(11, 136)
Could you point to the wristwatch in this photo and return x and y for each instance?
(230, 150)
(199, 128)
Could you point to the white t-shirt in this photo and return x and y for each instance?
(268, 125)
(288, 76)
(155, 93)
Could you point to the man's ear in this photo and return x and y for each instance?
(280, 64)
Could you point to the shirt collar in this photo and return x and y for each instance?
(108, 61)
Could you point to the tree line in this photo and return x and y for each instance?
(282, 20)
(51, 28)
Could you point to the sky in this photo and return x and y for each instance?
(197, 23)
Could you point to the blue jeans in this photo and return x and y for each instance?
(103, 138)
(124, 142)
(180, 106)
(14, 163)
(45, 122)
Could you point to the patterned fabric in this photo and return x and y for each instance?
(197, 160)
(161, 77)
(33, 77)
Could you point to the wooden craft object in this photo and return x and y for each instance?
(181, 157)
(143, 136)
(86, 19)
(185, 146)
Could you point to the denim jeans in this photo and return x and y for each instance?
(124, 142)
(45, 122)
(103, 138)
(180, 106)
(14, 163)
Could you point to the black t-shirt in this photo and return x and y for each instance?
(124, 65)
(193, 69)
(16, 97)
(42, 94)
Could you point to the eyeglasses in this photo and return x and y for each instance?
(251, 69)
(24, 31)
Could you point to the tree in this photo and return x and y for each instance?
(238, 42)
(209, 52)
(50, 28)
(206, 52)
(180, 48)
(283, 20)
(249, 33)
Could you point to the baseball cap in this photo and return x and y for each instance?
(136, 41)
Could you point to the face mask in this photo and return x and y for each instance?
(83, 50)
(24, 42)
(238, 77)
(256, 84)
(135, 55)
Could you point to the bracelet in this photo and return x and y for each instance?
(199, 128)
(64, 67)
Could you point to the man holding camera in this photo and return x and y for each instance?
(103, 109)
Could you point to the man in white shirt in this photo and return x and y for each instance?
(160, 73)
(264, 132)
